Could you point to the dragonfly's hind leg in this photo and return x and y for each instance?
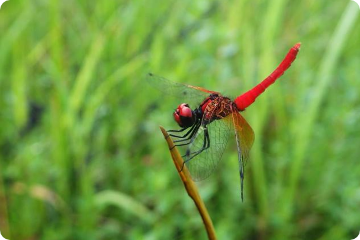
(205, 146)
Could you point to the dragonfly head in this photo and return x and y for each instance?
(184, 116)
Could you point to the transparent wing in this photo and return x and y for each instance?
(244, 136)
(178, 90)
(205, 163)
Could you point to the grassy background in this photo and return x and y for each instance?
(82, 156)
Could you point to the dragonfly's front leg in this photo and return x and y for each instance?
(180, 130)
(189, 138)
(186, 134)
(192, 132)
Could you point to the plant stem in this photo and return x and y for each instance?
(190, 186)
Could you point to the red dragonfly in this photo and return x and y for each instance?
(205, 130)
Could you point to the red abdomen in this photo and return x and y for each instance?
(250, 96)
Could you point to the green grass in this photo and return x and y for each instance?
(82, 156)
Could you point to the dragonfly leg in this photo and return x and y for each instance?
(186, 134)
(188, 138)
(180, 130)
(193, 131)
(197, 120)
(205, 146)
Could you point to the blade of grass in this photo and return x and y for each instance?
(83, 79)
(98, 97)
(87, 219)
(10, 36)
(190, 186)
(123, 201)
(19, 75)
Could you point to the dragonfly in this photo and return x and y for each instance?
(205, 130)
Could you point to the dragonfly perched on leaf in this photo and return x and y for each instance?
(205, 130)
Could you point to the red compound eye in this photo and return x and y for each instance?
(183, 115)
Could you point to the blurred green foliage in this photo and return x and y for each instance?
(82, 156)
